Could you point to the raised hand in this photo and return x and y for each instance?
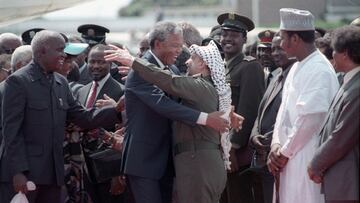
(107, 101)
(120, 55)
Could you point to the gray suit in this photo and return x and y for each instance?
(35, 108)
(338, 154)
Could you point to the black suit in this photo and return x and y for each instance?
(147, 158)
(35, 108)
(264, 125)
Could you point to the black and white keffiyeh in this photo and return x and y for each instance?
(212, 57)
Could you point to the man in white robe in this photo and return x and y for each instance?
(307, 94)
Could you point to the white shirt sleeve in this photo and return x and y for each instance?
(202, 118)
(305, 127)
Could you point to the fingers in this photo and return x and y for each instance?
(113, 47)
(106, 96)
(124, 70)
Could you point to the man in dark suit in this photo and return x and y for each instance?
(247, 87)
(102, 84)
(336, 162)
(261, 134)
(37, 102)
(147, 158)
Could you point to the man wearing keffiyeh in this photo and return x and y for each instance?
(199, 151)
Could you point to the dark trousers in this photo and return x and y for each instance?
(42, 194)
(239, 187)
(264, 185)
(45, 194)
(100, 192)
(6, 192)
(151, 190)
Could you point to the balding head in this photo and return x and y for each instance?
(21, 56)
(9, 42)
(48, 50)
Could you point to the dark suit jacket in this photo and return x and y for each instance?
(268, 109)
(111, 87)
(1, 96)
(247, 88)
(147, 143)
(35, 110)
(338, 154)
(85, 75)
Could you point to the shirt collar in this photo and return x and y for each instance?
(351, 74)
(102, 82)
(162, 66)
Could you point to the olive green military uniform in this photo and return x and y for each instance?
(199, 167)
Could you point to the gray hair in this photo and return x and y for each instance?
(8, 35)
(161, 31)
(22, 54)
(41, 39)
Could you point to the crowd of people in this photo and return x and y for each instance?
(187, 119)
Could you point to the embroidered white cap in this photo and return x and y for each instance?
(296, 20)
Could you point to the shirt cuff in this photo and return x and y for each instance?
(202, 118)
(286, 152)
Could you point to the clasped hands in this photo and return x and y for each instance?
(276, 161)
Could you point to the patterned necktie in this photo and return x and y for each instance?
(92, 96)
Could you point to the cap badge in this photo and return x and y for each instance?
(231, 16)
(91, 32)
(32, 34)
(267, 34)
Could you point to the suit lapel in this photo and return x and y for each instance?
(83, 94)
(273, 94)
(273, 90)
(105, 89)
(338, 98)
(343, 89)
